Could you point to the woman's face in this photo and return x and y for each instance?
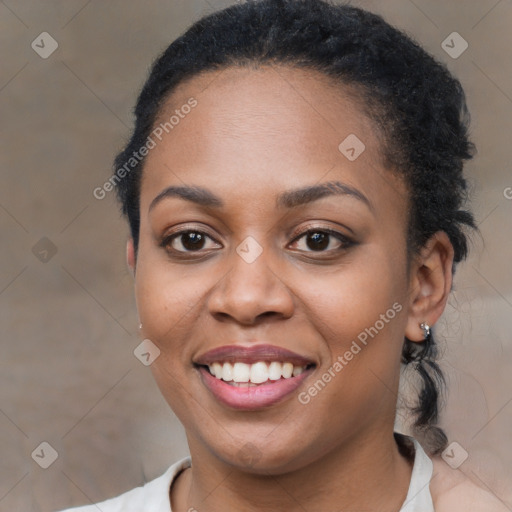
(248, 273)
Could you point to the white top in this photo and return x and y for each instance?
(154, 496)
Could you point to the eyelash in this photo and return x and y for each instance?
(344, 240)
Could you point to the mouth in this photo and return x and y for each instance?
(248, 375)
(251, 378)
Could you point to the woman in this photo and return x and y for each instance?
(295, 196)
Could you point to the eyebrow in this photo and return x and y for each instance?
(195, 194)
(288, 199)
(300, 196)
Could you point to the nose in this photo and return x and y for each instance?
(250, 293)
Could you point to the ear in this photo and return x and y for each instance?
(130, 255)
(430, 284)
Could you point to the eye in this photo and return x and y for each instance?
(186, 241)
(322, 240)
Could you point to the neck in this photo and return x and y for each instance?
(363, 474)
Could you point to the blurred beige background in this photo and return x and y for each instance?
(69, 328)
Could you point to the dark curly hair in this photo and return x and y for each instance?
(418, 107)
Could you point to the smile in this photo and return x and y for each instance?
(254, 374)
(252, 377)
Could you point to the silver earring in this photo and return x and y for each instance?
(140, 326)
(426, 329)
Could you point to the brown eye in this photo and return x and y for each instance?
(186, 241)
(318, 240)
(192, 241)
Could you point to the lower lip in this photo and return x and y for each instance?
(253, 397)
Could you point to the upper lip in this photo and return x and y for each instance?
(252, 354)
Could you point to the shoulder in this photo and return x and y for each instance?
(453, 491)
(153, 496)
(124, 502)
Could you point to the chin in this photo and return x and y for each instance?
(261, 458)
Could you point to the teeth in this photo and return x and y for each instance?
(275, 370)
(259, 373)
(297, 370)
(287, 370)
(241, 372)
(246, 375)
(227, 372)
(217, 370)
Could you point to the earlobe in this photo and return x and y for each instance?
(430, 285)
(130, 255)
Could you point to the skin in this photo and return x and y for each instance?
(256, 133)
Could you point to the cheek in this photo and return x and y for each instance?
(169, 301)
(359, 313)
(164, 294)
(172, 306)
(162, 306)
(346, 302)
(359, 316)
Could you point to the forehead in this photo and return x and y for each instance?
(265, 128)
